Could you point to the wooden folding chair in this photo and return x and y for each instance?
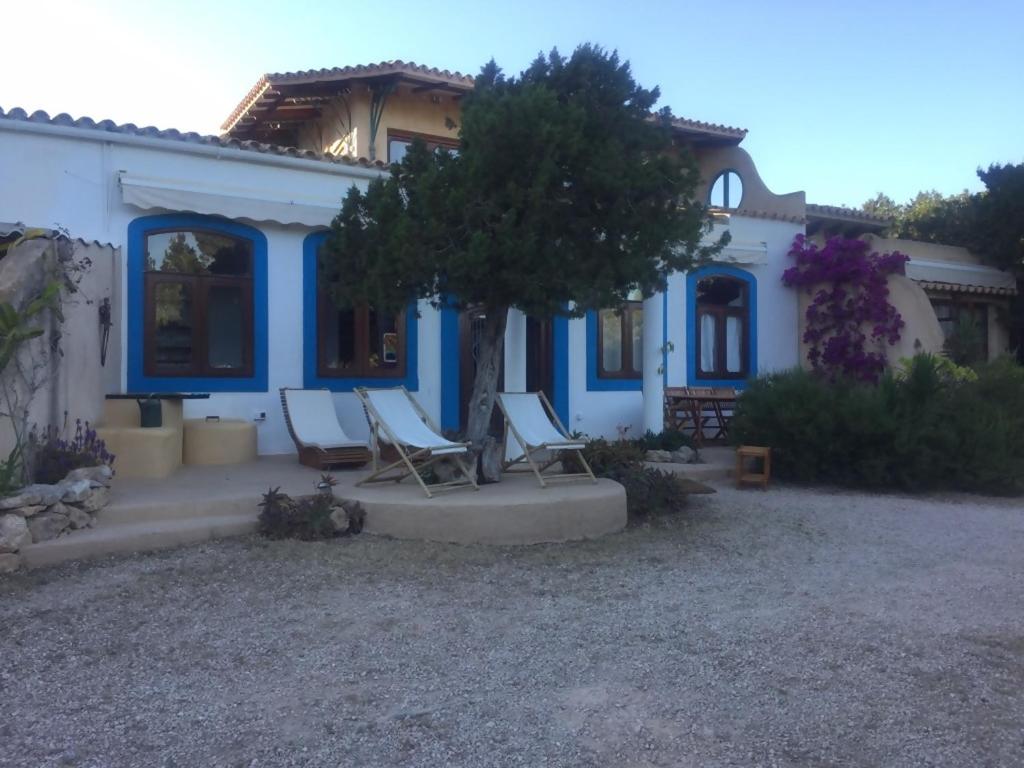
(396, 418)
(532, 422)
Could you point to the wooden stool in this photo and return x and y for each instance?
(753, 478)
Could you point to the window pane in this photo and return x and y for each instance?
(338, 340)
(726, 191)
(383, 346)
(225, 317)
(720, 292)
(397, 149)
(733, 345)
(637, 320)
(707, 343)
(611, 340)
(197, 252)
(172, 337)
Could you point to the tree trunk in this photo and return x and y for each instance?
(485, 383)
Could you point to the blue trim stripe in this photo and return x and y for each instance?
(594, 382)
(450, 368)
(137, 380)
(691, 324)
(560, 334)
(310, 378)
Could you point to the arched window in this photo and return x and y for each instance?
(198, 303)
(726, 191)
(722, 328)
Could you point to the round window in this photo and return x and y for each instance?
(727, 191)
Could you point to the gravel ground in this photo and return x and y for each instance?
(785, 628)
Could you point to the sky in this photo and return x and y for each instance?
(843, 99)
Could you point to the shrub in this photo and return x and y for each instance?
(649, 492)
(53, 456)
(927, 427)
(669, 440)
(310, 518)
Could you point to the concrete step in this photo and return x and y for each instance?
(136, 537)
(184, 507)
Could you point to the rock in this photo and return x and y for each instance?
(662, 457)
(339, 517)
(47, 526)
(33, 495)
(77, 517)
(76, 491)
(29, 510)
(348, 517)
(97, 500)
(684, 455)
(14, 533)
(9, 562)
(20, 499)
(100, 475)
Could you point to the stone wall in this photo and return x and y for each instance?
(41, 512)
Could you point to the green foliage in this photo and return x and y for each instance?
(966, 344)
(926, 428)
(16, 327)
(669, 440)
(990, 223)
(11, 471)
(566, 190)
(948, 371)
(563, 189)
(649, 492)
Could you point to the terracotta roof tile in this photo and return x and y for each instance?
(843, 213)
(411, 69)
(171, 134)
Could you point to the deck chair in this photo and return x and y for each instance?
(397, 419)
(313, 424)
(533, 425)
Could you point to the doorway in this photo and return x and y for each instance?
(540, 357)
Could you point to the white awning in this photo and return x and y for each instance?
(960, 277)
(233, 202)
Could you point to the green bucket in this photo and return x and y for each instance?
(150, 412)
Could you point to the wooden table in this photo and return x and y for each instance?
(700, 405)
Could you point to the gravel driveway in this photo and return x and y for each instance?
(786, 628)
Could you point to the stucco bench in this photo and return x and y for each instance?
(149, 452)
(223, 441)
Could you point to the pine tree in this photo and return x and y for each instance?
(567, 192)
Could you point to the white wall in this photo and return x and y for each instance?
(51, 180)
(602, 413)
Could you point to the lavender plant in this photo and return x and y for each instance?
(54, 456)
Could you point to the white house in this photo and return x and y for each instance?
(217, 243)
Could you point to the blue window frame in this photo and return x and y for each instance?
(597, 381)
(311, 368)
(243, 307)
(747, 345)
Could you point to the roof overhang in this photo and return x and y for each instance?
(289, 98)
(838, 220)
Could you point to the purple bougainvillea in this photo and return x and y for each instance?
(850, 319)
